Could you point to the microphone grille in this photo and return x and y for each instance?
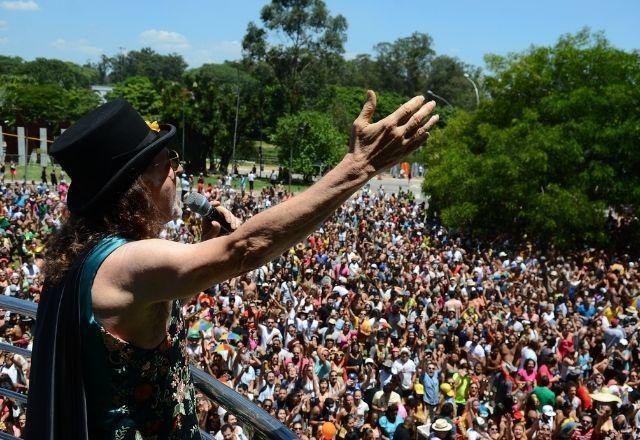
(197, 203)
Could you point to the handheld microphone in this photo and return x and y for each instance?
(200, 205)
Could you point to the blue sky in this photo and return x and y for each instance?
(211, 30)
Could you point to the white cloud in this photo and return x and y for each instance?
(3, 25)
(164, 40)
(81, 46)
(4, 40)
(20, 5)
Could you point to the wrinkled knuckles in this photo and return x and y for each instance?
(398, 133)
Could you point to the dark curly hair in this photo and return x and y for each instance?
(133, 216)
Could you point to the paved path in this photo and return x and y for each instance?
(389, 184)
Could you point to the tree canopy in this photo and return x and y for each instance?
(310, 141)
(143, 62)
(298, 69)
(556, 146)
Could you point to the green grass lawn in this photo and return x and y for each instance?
(258, 184)
(34, 172)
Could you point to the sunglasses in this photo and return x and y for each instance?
(174, 159)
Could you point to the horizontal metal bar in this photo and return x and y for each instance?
(5, 436)
(22, 398)
(265, 425)
(14, 349)
(20, 306)
(246, 411)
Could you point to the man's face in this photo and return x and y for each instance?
(228, 434)
(586, 422)
(162, 180)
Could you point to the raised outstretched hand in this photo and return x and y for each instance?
(378, 146)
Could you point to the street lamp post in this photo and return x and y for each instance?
(290, 166)
(302, 130)
(183, 105)
(439, 97)
(475, 88)
(235, 128)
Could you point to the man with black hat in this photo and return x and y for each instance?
(109, 358)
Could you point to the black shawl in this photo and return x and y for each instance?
(56, 407)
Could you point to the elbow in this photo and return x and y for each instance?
(249, 253)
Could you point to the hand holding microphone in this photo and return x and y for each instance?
(210, 214)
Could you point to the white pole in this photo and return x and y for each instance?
(3, 147)
(44, 152)
(22, 147)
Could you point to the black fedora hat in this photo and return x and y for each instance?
(104, 152)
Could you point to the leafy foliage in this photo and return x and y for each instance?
(62, 73)
(142, 95)
(297, 70)
(558, 143)
(143, 62)
(310, 140)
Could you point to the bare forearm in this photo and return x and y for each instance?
(271, 232)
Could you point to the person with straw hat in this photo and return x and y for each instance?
(441, 429)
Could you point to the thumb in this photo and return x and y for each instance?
(369, 107)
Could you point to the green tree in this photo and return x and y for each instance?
(445, 77)
(343, 105)
(361, 71)
(63, 73)
(310, 139)
(143, 62)
(298, 69)
(80, 102)
(141, 93)
(556, 145)
(10, 65)
(48, 105)
(402, 65)
(211, 110)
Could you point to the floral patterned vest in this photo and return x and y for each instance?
(134, 393)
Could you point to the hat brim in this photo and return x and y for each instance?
(605, 398)
(81, 203)
(442, 428)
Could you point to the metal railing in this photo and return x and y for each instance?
(263, 425)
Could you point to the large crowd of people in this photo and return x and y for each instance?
(381, 325)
